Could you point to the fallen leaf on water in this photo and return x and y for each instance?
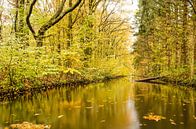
(102, 121)
(194, 117)
(77, 106)
(187, 101)
(172, 122)
(151, 116)
(143, 124)
(36, 114)
(13, 114)
(89, 107)
(60, 116)
(101, 106)
(181, 123)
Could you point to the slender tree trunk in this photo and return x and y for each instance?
(193, 58)
(1, 25)
(177, 44)
(194, 32)
(19, 21)
(88, 34)
(16, 19)
(168, 25)
(69, 28)
(184, 48)
(1, 19)
(21, 16)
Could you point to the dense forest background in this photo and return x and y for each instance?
(166, 39)
(48, 41)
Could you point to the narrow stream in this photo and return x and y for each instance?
(117, 104)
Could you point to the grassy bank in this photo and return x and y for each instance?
(13, 93)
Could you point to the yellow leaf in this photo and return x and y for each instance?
(60, 116)
(151, 116)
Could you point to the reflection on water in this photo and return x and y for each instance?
(176, 104)
(118, 104)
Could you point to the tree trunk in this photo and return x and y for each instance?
(184, 47)
(69, 28)
(1, 25)
(177, 44)
(21, 15)
(16, 20)
(168, 24)
(39, 40)
(193, 59)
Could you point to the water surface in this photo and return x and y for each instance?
(117, 104)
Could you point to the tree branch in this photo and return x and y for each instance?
(52, 22)
(77, 15)
(192, 6)
(28, 17)
(59, 11)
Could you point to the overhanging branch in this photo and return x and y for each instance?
(28, 17)
(52, 22)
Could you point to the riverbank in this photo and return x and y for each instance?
(169, 80)
(180, 82)
(13, 93)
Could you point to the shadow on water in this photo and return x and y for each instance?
(117, 104)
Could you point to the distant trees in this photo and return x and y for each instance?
(19, 26)
(166, 38)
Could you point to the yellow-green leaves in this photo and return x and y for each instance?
(71, 70)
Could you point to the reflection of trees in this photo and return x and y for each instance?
(82, 107)
(68, 95)
(103, 105)
(171, 102)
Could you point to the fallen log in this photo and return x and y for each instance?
(149, 79)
